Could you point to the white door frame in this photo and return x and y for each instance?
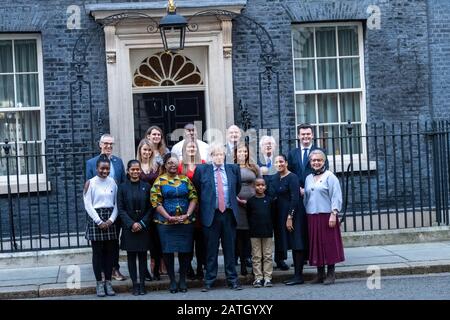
(213, 34)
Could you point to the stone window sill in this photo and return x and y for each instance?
(24, 186)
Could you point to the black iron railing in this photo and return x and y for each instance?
(41, 196)
(392, 176)
(397, 176)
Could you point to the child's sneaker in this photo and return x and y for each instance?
(258, 283)
(267, 283)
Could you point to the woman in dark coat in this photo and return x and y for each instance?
(134, 209)
(290, 222)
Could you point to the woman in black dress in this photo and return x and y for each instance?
(290, 221)
(133, 200)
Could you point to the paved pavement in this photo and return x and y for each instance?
(434, 286)
(390, 260)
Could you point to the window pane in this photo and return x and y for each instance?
(26, 55)
(12, 161)
(329, 139)
(29, 126)
(350, 107)
(6, 60)
(326, 42)
(303, 42)
(6, 91)
(7, 126)
(27, 90)
(349, 73)
(348, 41)
(328, 111)
(327, 73)
(31, 158)
(304, 75)
(306, 109)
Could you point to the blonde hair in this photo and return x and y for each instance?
(150, 145)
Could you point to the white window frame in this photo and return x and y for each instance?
(339, 166)
(28, 182)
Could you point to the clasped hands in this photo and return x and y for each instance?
(177, 219)
(105, 224)
(136, 227)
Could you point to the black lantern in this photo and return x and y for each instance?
(173, 29)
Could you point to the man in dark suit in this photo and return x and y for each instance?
(298, 162)
(298, 158)
(217, 185)
(117, 172)
(233, 138)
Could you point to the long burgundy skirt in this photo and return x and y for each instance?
(325, 243)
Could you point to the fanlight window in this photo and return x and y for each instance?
(166, 69)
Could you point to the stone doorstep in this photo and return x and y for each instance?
(88, 288)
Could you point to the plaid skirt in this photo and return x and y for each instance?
(94, 233)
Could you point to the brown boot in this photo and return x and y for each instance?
(331, 276)
(319, 278)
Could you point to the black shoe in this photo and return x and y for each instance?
(235, 286)
(135, 291)
(142, 290)
(206, 288)
(182, 287)
(282, 266)
(200, 274)
(295, 281)
(173, 287)
(244, 271)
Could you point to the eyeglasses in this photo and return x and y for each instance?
(108, 143)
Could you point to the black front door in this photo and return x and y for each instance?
(169, 111)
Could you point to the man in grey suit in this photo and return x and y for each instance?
(118, 174)
(217, 186)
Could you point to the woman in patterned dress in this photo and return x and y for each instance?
(174, 198)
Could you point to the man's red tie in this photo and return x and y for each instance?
(220, 192)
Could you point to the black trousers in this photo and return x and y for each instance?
(222, 230)
(243, 245)
(200, 249)
(103, 258)
(132, 268)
